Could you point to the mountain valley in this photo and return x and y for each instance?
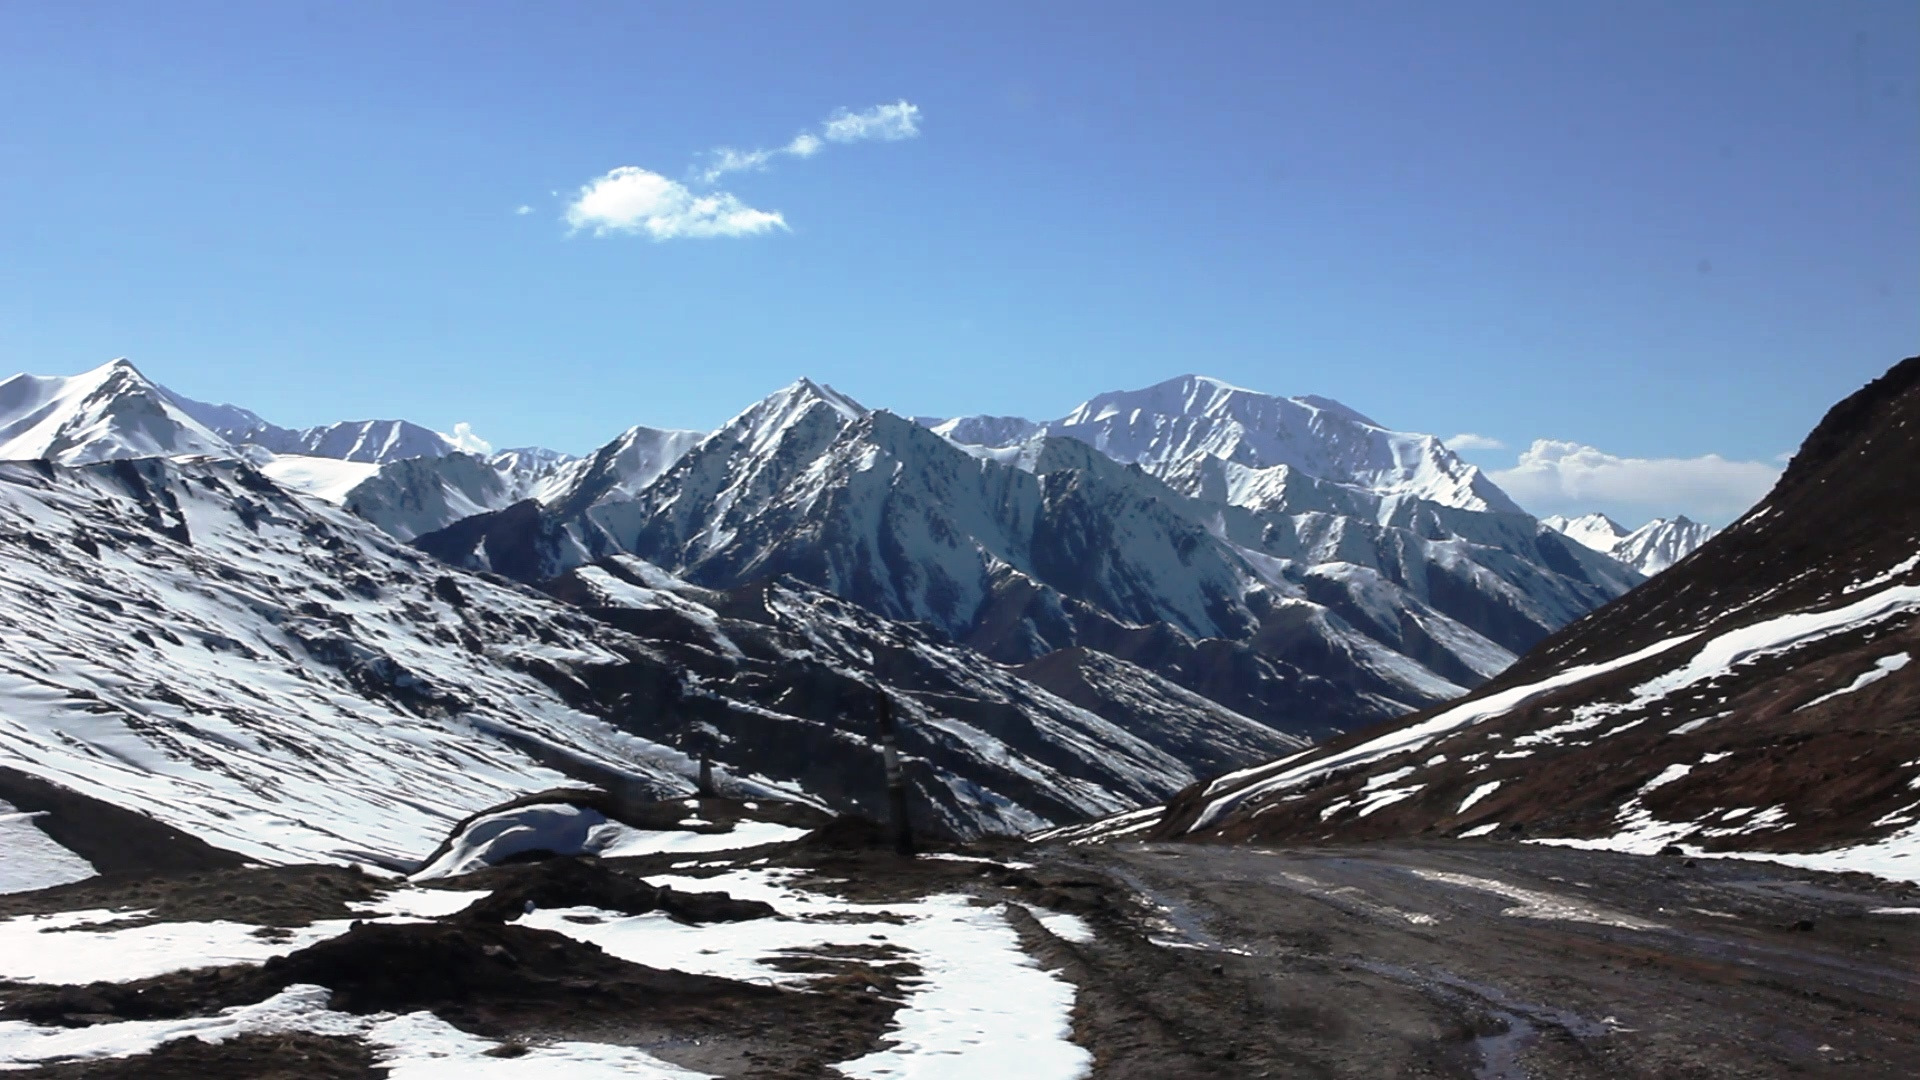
(1239, 736)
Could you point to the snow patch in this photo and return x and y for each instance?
(30, 859)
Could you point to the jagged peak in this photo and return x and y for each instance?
(807, 388)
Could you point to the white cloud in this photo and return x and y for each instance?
(463, 438)
(1556, 476)
(633, 200)
(1467, 440)
(886, 122)
(523, 210)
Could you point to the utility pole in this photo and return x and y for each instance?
(896, 777)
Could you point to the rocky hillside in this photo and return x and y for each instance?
(189, 641)
(1758, 697)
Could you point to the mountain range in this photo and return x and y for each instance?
(1760, 697)
(1649, 549)
(1077, 616)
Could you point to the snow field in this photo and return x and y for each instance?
(981, 1006)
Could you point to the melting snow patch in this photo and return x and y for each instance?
(1534, 904)
(34, 860)
(417, 1046)
(1882, 668)
(565, 829)
(1381, 799)
(981, 1007)
(1062, 924)
(746, 834)
(1476, 795)
(1479, 830)
(60, 948)
(1885, 576)
(562, 828)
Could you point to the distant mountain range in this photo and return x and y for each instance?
(1287, 557)
(1649, 549)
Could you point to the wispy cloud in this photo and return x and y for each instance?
(885, 122)
(1556, 476)
(523, 210)
(630, 199)
(882, 123)
(634, 200)
(1467, 440)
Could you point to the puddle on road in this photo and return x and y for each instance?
(1499, 1052)
(1175, 913)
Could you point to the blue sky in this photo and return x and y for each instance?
(1651, 232)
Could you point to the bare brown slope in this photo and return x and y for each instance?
(1766, 767)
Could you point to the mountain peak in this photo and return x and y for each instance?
(808, 389)
(111, 411)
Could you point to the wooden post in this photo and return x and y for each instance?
(896, 777)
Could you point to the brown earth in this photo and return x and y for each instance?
(1350, 962)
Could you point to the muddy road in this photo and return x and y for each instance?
(1482, 961)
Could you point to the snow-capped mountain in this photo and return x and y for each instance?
(371, 441)
(1758, 697)
(109, 412)
(1649, 549)
(271, 674)
(420, 495)
(114, 411)
(1354, 606)
(1170, 429)
(1660, 543)
(1597, 531)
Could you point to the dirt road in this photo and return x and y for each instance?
(1483, 961)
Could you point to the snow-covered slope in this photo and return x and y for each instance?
(1660, 543)
(1350, 608)
(1170, 428)
(276, 676)
(109, 412)
(1761, 696)
(1649, 549)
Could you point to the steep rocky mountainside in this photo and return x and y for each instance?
(190, 641)
(1760, 696)
(1342, 607)
(1286, 558)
